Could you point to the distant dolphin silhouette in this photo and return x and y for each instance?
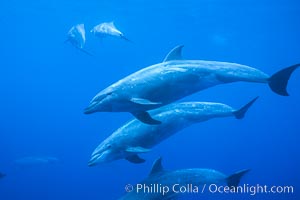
(2, 175)
(35, 160)
(108, 29)
(173, 79)
(76, 36)
(166, 184)
(136, 137)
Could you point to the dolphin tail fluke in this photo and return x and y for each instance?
(239, 114)
(278, 81)
(145, 117)
(234, 179)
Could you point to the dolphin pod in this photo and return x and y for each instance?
(166, 184)
(136, 137)
(175, 78)
(77, 37)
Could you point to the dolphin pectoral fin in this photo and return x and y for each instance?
(145, 117)
(142, 101)
(278, 81)
(174, 54)
(137, 150)
(239, 114)
(135, 159)
(234, 179)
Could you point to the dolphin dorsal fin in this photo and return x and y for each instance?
(112, 24)
(174, 54)
(156, 167)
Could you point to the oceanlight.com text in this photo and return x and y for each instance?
(250, 189)
(208, 188)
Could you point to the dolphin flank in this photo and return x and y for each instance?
(175, 78)
(193, 178)
(136, 137)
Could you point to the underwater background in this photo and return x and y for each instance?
(45, 85)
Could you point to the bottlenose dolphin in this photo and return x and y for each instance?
(76, 36)
(136, 137)
(2, 175)
(173, 79)
(162, 184)
(108, 29)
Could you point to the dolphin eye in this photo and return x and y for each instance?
(108, 146)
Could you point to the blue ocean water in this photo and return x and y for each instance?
(45, 84)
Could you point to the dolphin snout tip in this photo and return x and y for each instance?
(87, 111)
(91, 164)
(93, 161)
(90, 109)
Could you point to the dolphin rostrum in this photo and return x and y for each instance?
(76, 36)
(136, 137)
(108, 29)
(173, 79)
(162, 184)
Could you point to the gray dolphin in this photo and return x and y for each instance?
(76, 36)
(136, 137)
(173, 79)
(108, 29)
(162, 184)
(2, 175)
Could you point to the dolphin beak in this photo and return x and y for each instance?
(91, 108)
(93, 161)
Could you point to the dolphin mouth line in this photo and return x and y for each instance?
(90, 109)
(93, 159)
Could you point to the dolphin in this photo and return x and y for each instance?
(2, 175)
(35, 161)
(162, 184)
(76, 36)
(108, 29)
(136, 137)
(173, 79)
